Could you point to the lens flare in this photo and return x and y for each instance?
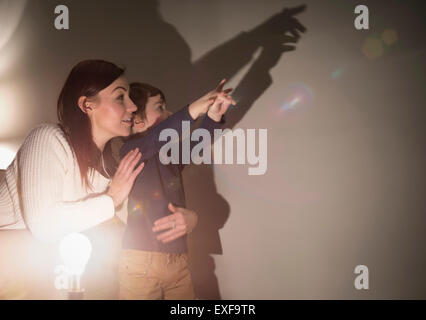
(297, 95)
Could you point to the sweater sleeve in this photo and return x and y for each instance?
(43, 162)
(150, 144)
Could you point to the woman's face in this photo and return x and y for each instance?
(155, 112)
(111, 114)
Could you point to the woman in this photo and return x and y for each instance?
(58, 183)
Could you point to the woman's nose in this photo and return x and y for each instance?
(132, 107)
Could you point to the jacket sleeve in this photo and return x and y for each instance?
(209, 125)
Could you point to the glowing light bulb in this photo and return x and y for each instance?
(75, 250)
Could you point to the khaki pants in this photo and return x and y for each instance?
(147, 275)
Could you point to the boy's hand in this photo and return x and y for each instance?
(220, 106)
(182, 221)
(202, 105)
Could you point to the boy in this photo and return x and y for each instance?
(155, 266)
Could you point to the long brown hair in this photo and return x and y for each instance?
(87, 78)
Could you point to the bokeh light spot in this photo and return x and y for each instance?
(137, 207)
(336, 74)
(156, 195)
(372, 48)
(389, 37)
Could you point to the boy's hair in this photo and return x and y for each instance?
(140, 93)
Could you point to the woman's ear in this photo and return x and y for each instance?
(82, 101)
(84, 104)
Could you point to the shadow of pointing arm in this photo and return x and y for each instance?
(251, 87)
(258, 78)
(223, 61)
(227, 59)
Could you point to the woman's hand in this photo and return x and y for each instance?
(202, 105)
(182, 221)
(125, 176)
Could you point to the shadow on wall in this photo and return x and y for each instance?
(275, 37)
(225, 61)
(156, 53)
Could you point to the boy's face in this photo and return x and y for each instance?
(155, 112)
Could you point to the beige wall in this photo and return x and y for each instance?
(345, 170)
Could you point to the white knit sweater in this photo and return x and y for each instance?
(52, 201)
